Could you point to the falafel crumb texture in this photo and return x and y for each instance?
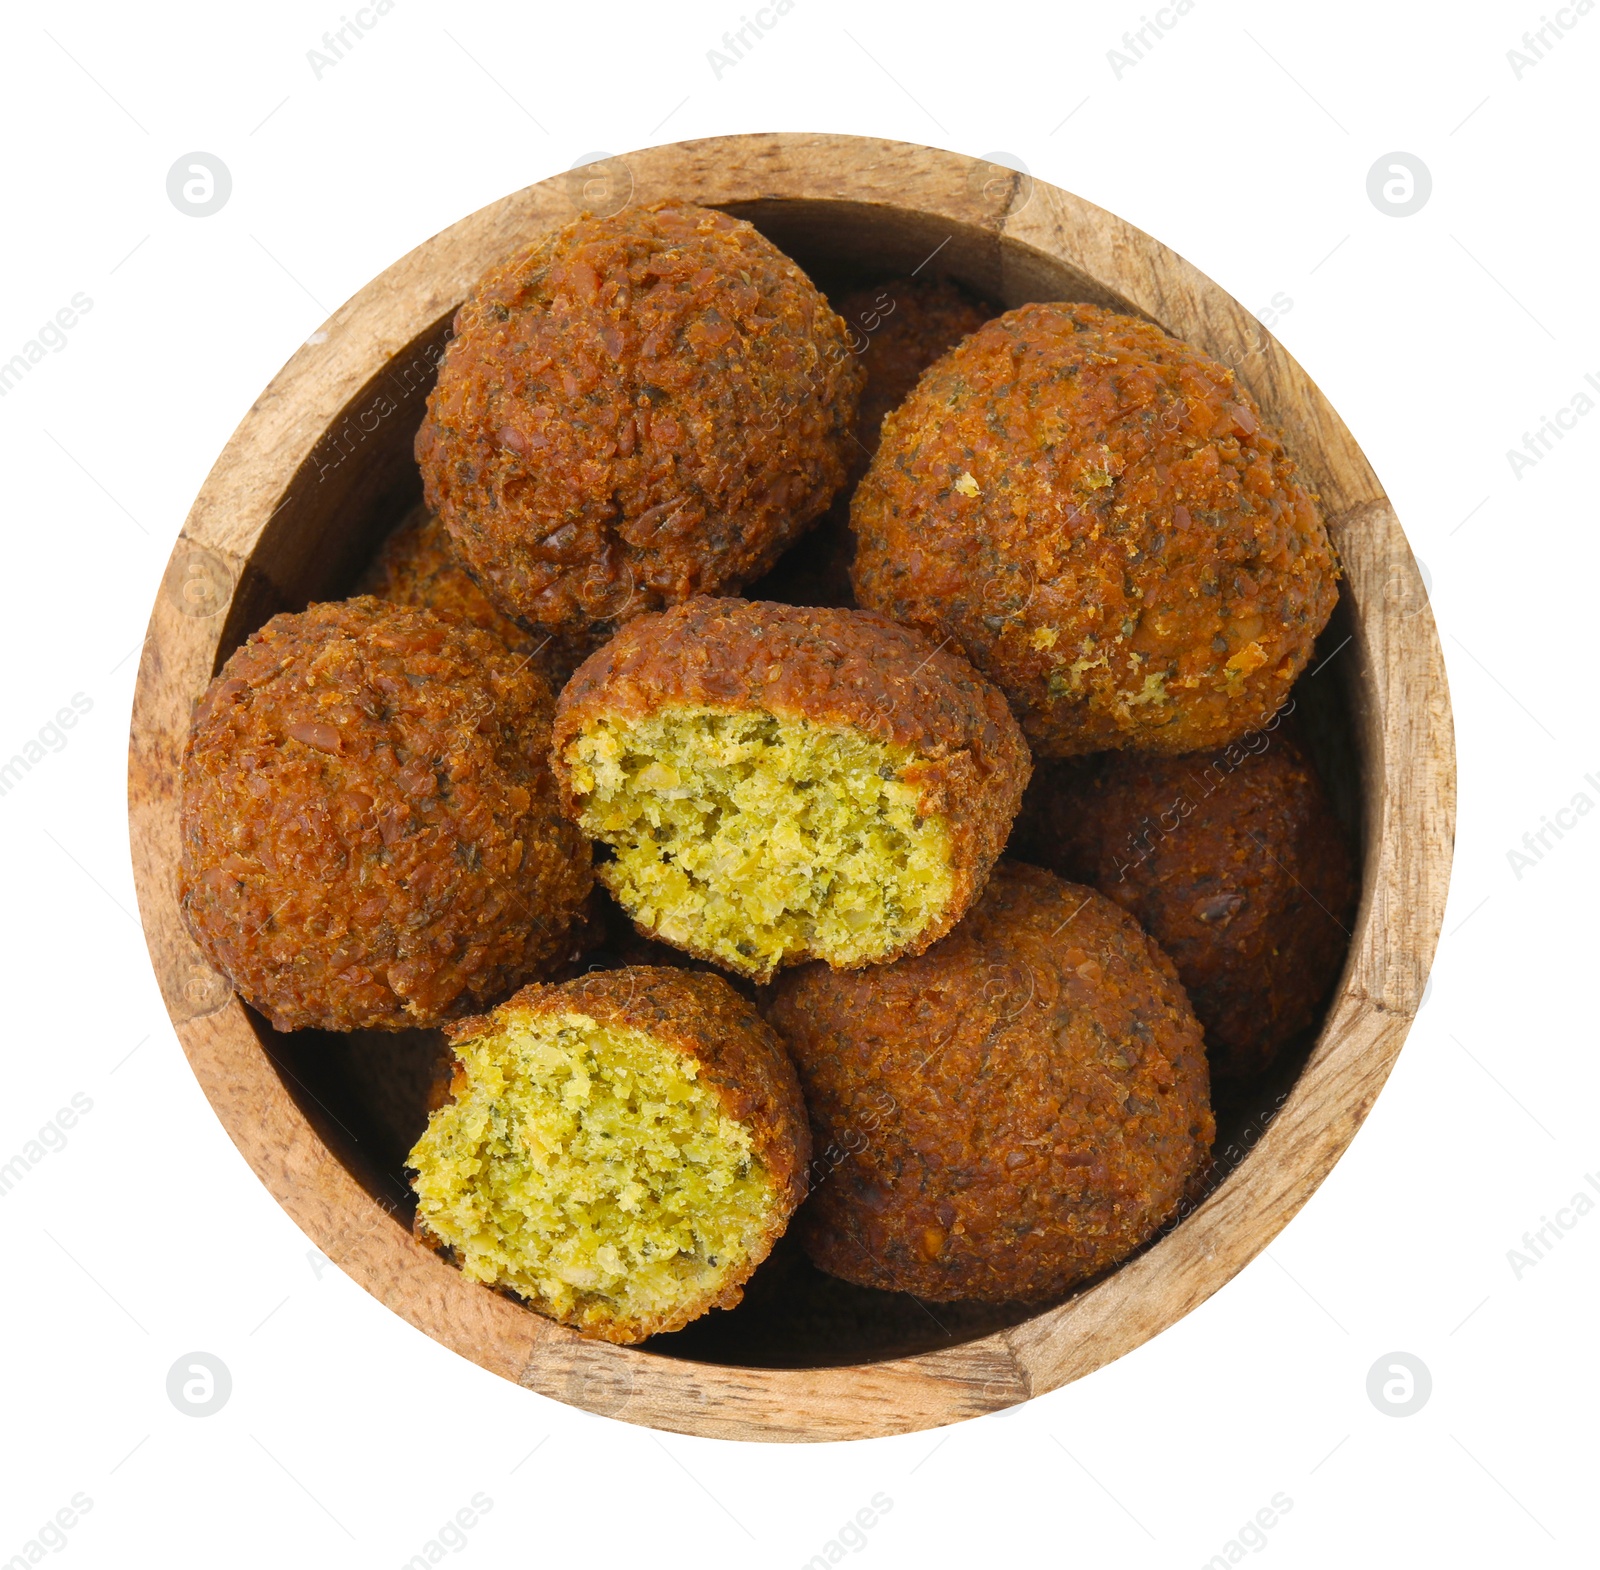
(758, 841)
(587, 1168)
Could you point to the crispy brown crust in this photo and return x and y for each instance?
(1006, 1115)
(370, 831)
(846, 669)
(636, 409)
(738, 1053)
(417, 565)
(1100, 517)
(1232, 860)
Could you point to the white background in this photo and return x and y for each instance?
(1243, 140)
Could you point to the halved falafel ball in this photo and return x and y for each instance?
(1006, 1115)
(633, 410)
(778, 783)
(370, 831)
(418, 565)
(1231, 860)
(621, 1151)
(1099, 515)
(898, 329)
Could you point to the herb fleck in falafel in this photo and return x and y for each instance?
(621, 1151)
(778, 783)
(1006, 1115)
(370, 831)
(1101, 518)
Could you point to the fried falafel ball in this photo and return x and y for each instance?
(1101, 518)
(418, 565)
(898, 329)
(779, 783)
(633, 410)
(370, 831)
(1232, 861)
(1006, 1115)
(621, 1151)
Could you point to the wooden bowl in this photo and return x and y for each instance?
(321, 468)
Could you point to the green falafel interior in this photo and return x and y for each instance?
(588, 1168)
(757, 840)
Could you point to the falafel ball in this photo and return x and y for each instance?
(417, 565)
(1101, 518)
(778, 783)
(633, 410)
(1232, 861)
(370, 831)
(1006, 1115)
(621, 1151)
(898, 329)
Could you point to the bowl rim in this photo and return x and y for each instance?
(1401, 714)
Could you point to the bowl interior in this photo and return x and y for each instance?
(365, 1092)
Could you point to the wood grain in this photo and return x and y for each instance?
(320, 466)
